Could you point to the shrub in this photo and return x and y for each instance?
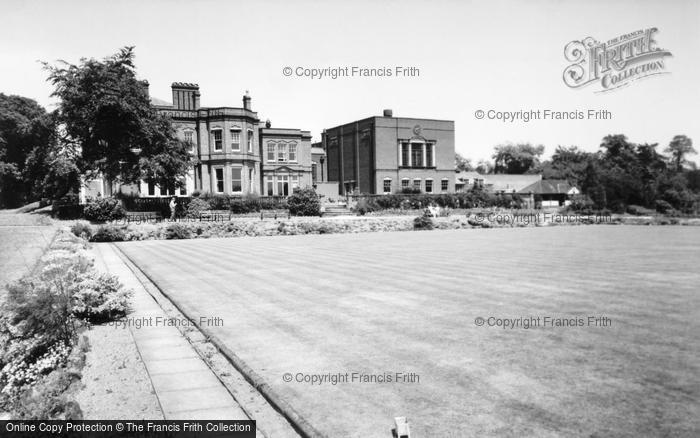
(246, 204)
(177, 231)
(304, 202)
(82, 229)
(410, 191)
(663, 206)
(99, 297)
(109, 233)
(196, 207)
(364, 206)
(103, 210)
(423, 223)
(216, 201)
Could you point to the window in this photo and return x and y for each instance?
(236, 183)
(235, 140)
(151, 188)
(283, 185)
(183, 188)
(387, 185)
(445, 185)
(428, 186)
(219, 174)
(281, 152)
(189, 139)
(271, 152)
(405, 183)
(218, 139)
(270, 185)
(416, 155)
(293, 152)
(295, 182)
(429, 155)
(416, 183)
(250, 180)
(250, 142)
(405, 158)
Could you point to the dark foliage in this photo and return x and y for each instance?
(103, 210)
(304, 202)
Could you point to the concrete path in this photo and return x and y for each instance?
(185, 386)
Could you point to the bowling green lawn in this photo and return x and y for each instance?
(391, 318)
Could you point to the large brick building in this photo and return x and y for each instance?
(387, 154)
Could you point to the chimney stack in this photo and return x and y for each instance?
(246, 101)
(146, 86)
(185, 96)
(388, 113)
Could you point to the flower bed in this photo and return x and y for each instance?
(42, 315)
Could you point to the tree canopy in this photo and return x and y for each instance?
(26, 137)
(623, 173)
(517, 159)
(109, 124)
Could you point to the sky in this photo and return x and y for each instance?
(481, 55)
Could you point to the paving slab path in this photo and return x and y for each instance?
(186, 387)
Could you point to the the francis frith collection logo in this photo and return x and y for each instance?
(615, 63)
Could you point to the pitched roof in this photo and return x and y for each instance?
(548, 186)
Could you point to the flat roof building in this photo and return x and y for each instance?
(386, 154)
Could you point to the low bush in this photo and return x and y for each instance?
(82, 230)
(637, 210)
(364, 206)
(39, 322)
(99, 297)
(109, 233)
(245, 204)
(304, 202)
(663, 207)
(104, 210)
(423, 223)
(177, 231)
(196, 207)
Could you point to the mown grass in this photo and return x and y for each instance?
(407, 302)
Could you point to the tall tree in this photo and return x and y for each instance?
(25, 128)
(516, 159)
(679, 147)
(111, 127)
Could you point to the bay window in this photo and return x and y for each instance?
(218, 139)
(236, 183)
(219, 179)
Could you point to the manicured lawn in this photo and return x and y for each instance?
(23, 238)
(406, 302)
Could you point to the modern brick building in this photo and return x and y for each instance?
(387, 154)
